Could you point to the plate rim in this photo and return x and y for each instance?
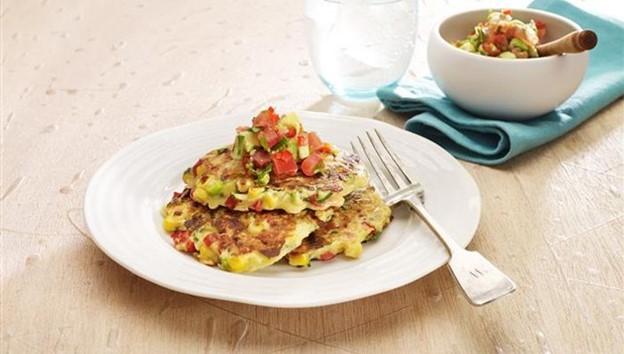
(308, 303)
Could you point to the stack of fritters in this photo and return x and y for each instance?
(227, 216)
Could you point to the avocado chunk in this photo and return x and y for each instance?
(292, 148)
(291, 121)
(304, 151)
(250, 140)
(507, 55)
(517, 43)
(245, 142)
(467, 46)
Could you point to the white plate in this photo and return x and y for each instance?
(124, 198)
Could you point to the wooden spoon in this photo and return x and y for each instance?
(574, 42)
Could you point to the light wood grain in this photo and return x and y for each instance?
(80, 80)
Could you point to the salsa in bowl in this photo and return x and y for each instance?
(500, 35)
(498, 88)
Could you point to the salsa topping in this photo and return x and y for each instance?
(504, 37)
(277, 146)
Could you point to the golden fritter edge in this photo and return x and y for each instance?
(218, 179)
(235, 241)
(363, 216)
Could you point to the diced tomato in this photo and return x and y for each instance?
(231, 202)
(261, 158)
(539, 24)
(510, 32)
(309, 165)
(190, 246)
(491, 49)
(314, 141)
(180, 236)
(541, 29)
(284, 164)
(270, 135)
(196, 166)
(327, 256)
(241, 129)
(506, 12)
(257, 206)
(302, 139)
(501, 41)
(209, 239)
(266, 118)
(291, 132)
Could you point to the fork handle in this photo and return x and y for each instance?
(447, 241)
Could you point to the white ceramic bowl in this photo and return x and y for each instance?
(506, 89)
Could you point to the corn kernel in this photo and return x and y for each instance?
(170, 224)
(207, 255)
(269, 201)
(200, 195)
(353, 250)
(236, 264)
(299, 260)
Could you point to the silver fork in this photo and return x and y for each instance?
(479, 279)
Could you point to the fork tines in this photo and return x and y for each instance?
(390, 172)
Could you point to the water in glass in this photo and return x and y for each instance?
(358, 46)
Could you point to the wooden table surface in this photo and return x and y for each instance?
(80, 80)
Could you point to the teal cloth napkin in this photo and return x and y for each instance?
(491, 142)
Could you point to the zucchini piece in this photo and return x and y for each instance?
(237, 151)
(213, 186)
(480, 35)
(263, 177)
(481, 50)
(322, 196)
(281, 145)
(263, 142)
(467, 46)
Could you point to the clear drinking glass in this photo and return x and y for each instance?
(358, 46)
